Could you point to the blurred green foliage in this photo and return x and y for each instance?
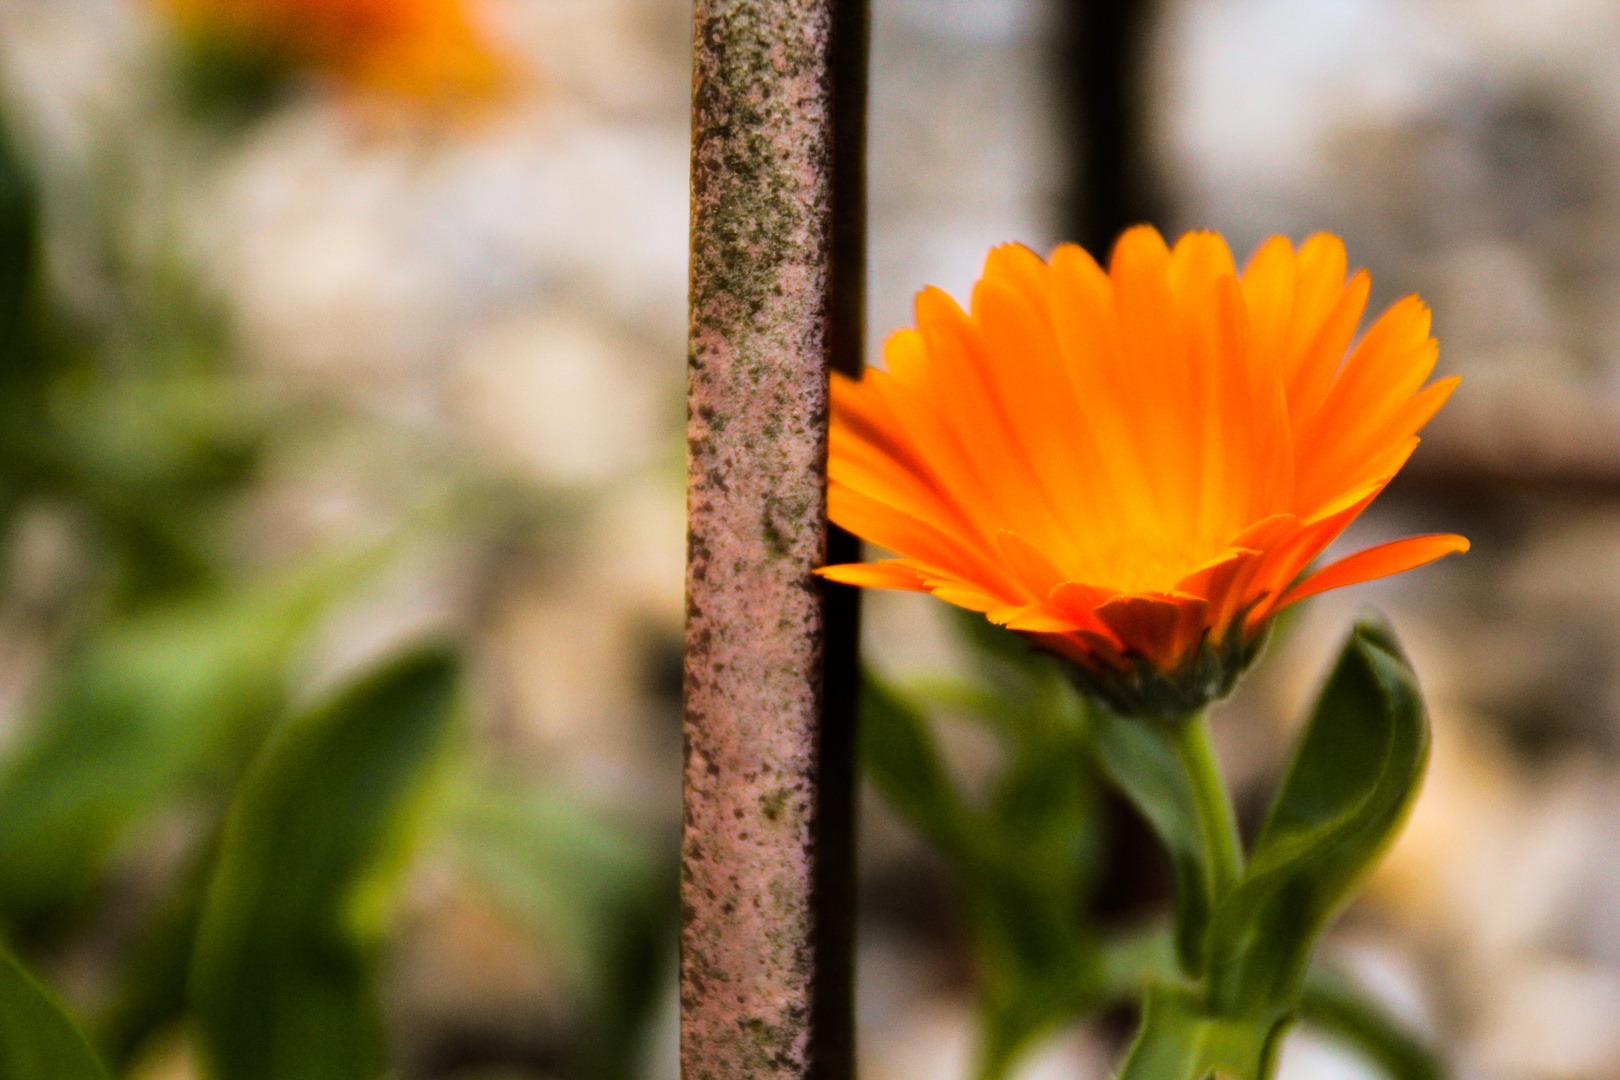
(600, 899)
(227, 82)
(280, 982)
(37, 1039)
(1025, 857)
(165, 707)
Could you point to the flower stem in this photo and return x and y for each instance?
(1215, 816)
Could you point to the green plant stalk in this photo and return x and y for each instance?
(1181, 1040)
(1216, 818)
(1180, 1037)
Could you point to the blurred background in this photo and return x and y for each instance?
(316, 351)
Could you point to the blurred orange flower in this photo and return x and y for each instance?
(425, 49)
(1133, 466)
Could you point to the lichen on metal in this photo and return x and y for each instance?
(762, 200)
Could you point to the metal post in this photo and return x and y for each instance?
(1102, 52)
(778, 119)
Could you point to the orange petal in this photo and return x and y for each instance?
(1376, 562)
(964, 390)
(1028, 566)
(1040, 409)
(1321, 354)
(908, 535)
(1283, 563)
(964, 595)
(1268, 289)
(888, 574)
(1154, 361)
(1079, 602)
(1382, 374)
(1214, 576)
(1108, 408)
(1221, 583)
(1162, 628)
(1267, 533)
(1083, 647)
(1032, 618)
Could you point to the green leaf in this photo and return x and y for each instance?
(1354, 776)
(151, 983)
(37, 1039)
(1148, 760)
(1026, 883)
(174, 701)
(1335, 1007)
(1131, 961)
(1330, 1003)
(1181, 1040)
(281, 985)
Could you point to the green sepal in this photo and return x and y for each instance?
(1139, 688)
(1182, 1040)
(281, 982)
(38, 1041)
(1355, 773)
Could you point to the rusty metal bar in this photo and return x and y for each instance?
(777, 246)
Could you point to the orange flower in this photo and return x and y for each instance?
(426, 49)
(1133, 467)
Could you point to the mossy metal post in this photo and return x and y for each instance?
(778, 131)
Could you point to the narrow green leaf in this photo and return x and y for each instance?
(1025, 882)
(151, 991)
(1335, 1007)
(281, 984)
(1144, 759)
(1329, 1003)
(1131, 961)
(38, 1041)
(1181, 1040)
(173, 701)
(1355, 773)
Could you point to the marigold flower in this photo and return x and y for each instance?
(1132, 467)
(424, 49)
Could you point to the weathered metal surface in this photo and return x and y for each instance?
(765, 965)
